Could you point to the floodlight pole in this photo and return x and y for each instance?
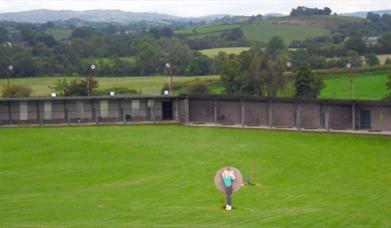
(9, 70)
(90, 74)
(169, 69)
(349, 66)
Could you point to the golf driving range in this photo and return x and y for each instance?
(163, 175)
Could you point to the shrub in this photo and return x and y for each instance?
(16, 91)
(118, 91)
(197, 87)
(371, 60)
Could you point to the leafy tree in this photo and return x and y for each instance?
(356, 44)
(197, 87)
(40, 49)
(82, 32)
(371, 59)
(306, 84)
(48, 40)
(385, 41)
(3, 35)
(60, 87)
(148, 55)
(79, 87)
(275, 45)
(199, 65)
(16, 91)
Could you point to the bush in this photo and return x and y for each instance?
(197, 87)
(388, 61)
(118, 91)
(371, 60)
(16, 91)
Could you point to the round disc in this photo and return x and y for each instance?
(236, 184)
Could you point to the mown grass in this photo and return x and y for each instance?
(59, 34)
(365, 86)
(147, 84)
(207, 29)
(265, 30)
(230, 50)
(143, 176)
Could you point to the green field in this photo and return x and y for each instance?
(147, 85)
(108, 60)
(207, 29)
(231, 50)
(365, 86)
(59, 34)
(143, 176)
(264, 31)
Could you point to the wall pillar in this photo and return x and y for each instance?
(327, 117)
(187, 110)
(269, 114)
(242, 112)
(66, 115)
(94, 113)
(39, 118)
(298, 116)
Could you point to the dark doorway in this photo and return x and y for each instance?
(167, 110)
(365, 119)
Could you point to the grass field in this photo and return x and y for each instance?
(59, 34)
(143, 176)
(365, 86)
(231, 50)
(207, 29)
(264, 31)
(148, 85)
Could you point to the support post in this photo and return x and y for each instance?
(66, 115)
(187, 110)
(215, 110)
(354, 116)
(94, 112)
(327, 115)
(121, 110)
(298, 116)
(39, 119)
(242, 112)
(176, 109)
(269, 114)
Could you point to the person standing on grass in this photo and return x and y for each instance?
(228, 177)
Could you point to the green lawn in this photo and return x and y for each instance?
(148, 85)
(230, 50)
(264, 31)
(208, 29)
(144, 176)
(59, 34)
(365, 86)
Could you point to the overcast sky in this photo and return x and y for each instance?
(196, 8)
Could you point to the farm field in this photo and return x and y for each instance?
(59, 34)
(148, 85)
(207, 29)
(231, 50)
(162, 175)
(264, 31)
(365, 87)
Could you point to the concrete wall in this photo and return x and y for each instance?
(201, 111)
(228, 112)
(255, 113)
(4, 114)
(310, 116)
(282, 114)
(380, 118)
(340, 117)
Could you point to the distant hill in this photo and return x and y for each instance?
(363, 14)
(43, 15)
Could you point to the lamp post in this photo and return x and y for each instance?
(10, 68)
(349, 66)
(169, 69)
(289, 65)
(91, 72)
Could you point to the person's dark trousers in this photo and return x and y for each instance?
(228, 194)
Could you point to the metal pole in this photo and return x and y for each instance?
(8, 80)
(351, 83)
(170, 81)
